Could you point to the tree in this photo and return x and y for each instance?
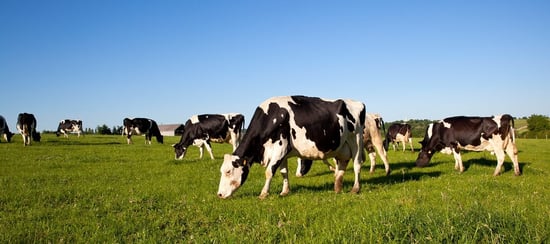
(538, 126)
(103, 130)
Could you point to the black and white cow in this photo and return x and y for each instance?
(4, 130)
(69, 125)
(199, 130)
(26, 124)
(399, 133)
(142, 126)
(495, 134)
(372, 139)
(305, 127)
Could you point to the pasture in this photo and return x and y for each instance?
(99, 189)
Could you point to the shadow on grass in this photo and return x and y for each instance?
(80, 143)
(394, 178)
(492, 162)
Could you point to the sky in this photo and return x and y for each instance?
(103, 60)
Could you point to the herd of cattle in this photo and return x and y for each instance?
(309, 128)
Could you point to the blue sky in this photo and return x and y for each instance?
(101, 61)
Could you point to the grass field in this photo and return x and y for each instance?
(99, 189)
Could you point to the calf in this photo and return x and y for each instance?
(495, 134)
(399, 133)
(67, 126)
(4, 130)
(142, 126)
(297, 126)
(199, 130)
(26, 124)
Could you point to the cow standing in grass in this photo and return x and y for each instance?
(142, 126)
(67, 126)
(297, 126)
(398, 133)
(26, 124)
(494, 134)
(4, 130)
(200, 130)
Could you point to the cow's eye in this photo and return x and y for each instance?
(228, 172)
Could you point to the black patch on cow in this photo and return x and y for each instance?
(261, 129)
(319, 119)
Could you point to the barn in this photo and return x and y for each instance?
(171, 129)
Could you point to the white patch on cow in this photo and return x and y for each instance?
(447, 125)
(273, 151)
(447, 150)
(194, 119)
(430, 130)
(484, 146)
(497, 120)
(274, 120)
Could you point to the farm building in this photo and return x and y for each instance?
(171, 129)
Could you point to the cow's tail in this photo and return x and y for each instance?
(507, 128)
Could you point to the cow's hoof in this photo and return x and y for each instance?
(388, 172)
(263, 196)
(284, 194)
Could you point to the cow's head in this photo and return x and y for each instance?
(430, 144)
(180, 150)
(8, 135)
(36, 136)
(234, 172)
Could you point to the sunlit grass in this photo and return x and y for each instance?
(99, 189)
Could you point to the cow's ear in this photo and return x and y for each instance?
(174, 145)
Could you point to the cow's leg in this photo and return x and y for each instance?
(341, 166)
(233, 139)
(372, 158)
(129, 138)
(200, 150)
(284, 173)
(24, 139)
(330, 167)
(378, 144)
(209, 149)
(512, 152)
(411, 144)
(458, 160)
(269, 172)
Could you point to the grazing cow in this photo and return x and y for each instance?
(306, 127)
(399, 133)
(142, 126)
(495, 134)
(372, 138)
(67, 126)
(4, 130)
(26, 124)
(199, 130)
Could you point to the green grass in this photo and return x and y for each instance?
(98, 189)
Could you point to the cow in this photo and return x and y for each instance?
(26, 124)
(142, 126)
(450, 135)
(399, 132)
(372, 138)
(67, 126)
(297, 126)
(199, 130)
(4, 130)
